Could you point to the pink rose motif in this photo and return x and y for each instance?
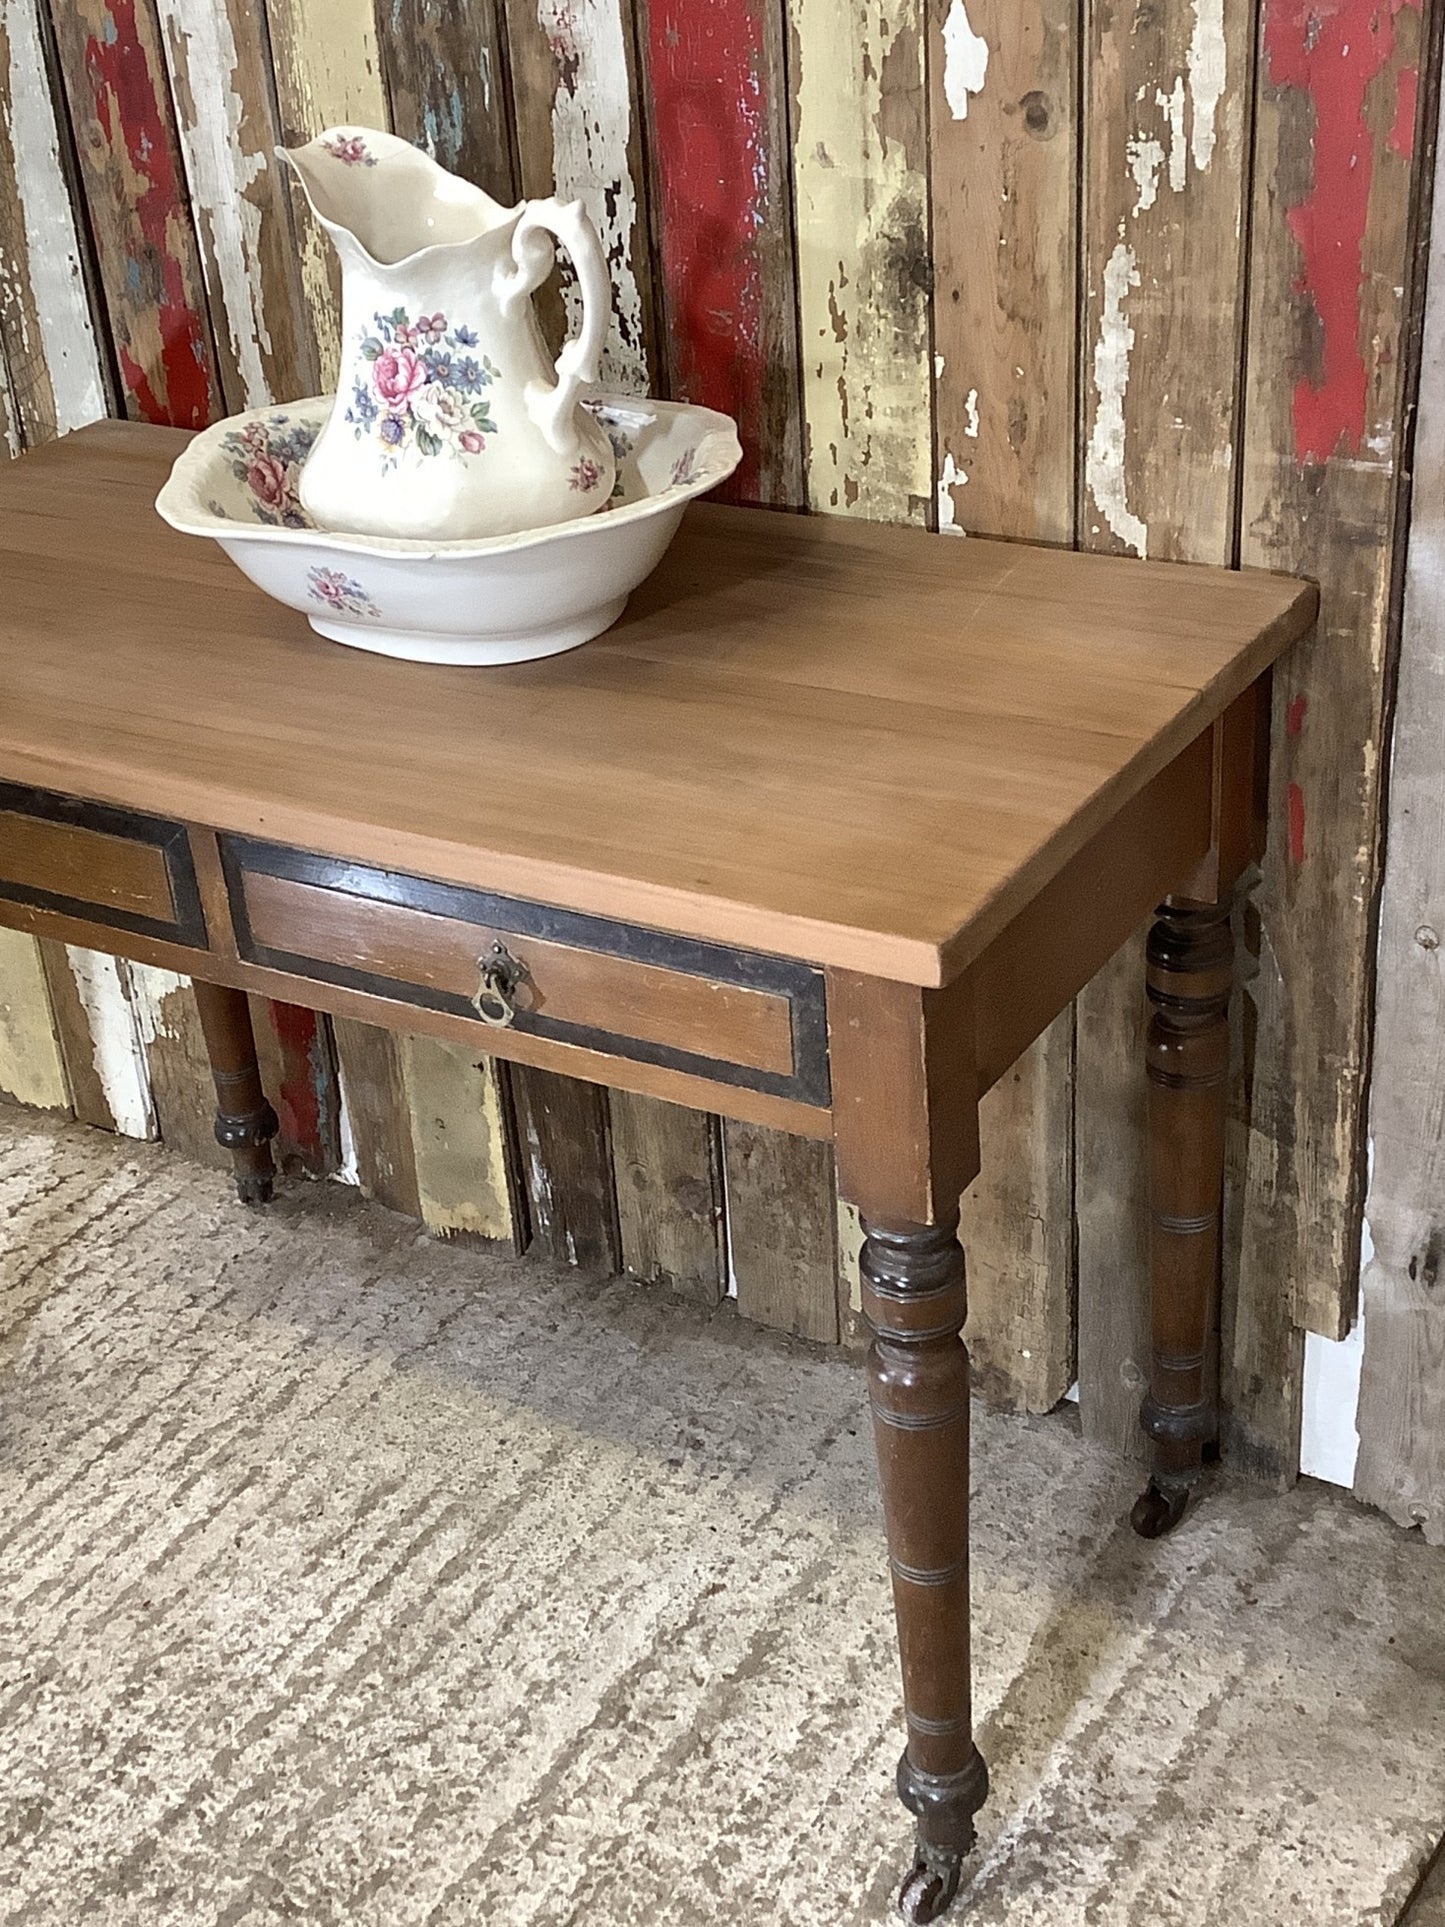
(471, 441)
(586, 474)
(398, 375)
(269, 481)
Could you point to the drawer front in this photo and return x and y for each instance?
(108, 866)
(737, 1018)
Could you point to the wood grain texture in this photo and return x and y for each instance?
(130, 168)
(448, 81)
(298, 1074)
(1401, 1466)
(219, 60)
(32, 1069)
(179, 1069)
(860, 174)
(378, 1113)
(574, 85)
(1004, 145)
(667, 1168)
(459, 1140)
(721, 194)
(47, 327)
(1167, 109)
(1331, 276)
(566, 1168)
(328, 71)
(902, 803)
(782, 1230)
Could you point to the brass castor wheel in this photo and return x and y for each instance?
(929, 1889)
(1158, 1509)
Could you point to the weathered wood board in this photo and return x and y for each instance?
(99, 1034)
(447, 79)
(565, 1153)
(666, 1163)
(1330, 277)
(32, 1069)
(782, 1230)
(1166, 116)
(459, 1140)
(378, 1112)
(1004, 153)
(1401, 1466)
(860, 175)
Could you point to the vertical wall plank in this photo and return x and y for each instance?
(180, 1073)
(721, 190)
(448, 79)
(1005, 151)
(328, 71)
(860, 171)
(578, 126)
(1401, 1466)
(566, 1154)
(782, 1230)
(45, 317)
(95, 1023)
(298, 1074)
(374, 1093)
(130, 167)
(1330, 270)
(459, 1151)
(220, 69)
(31, 1066)
(1167, 109)
(669, 1195)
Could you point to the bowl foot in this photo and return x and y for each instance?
(426, 645)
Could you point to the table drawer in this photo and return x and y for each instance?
(108, 866)
(735, 1017)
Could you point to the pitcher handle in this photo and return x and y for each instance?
(551, 405)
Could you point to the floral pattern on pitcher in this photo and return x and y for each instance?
(350, 149)
(266, 458)
(424, 389)
(339, 592)
(585, 475)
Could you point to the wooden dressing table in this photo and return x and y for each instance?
(820, 836)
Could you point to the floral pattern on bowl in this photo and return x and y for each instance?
(266, 454)
(340, 593)
(424, 389)
(496, 599)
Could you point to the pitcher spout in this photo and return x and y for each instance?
(389, 200)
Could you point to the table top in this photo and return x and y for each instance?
(862, 746)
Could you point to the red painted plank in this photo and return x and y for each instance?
(1333, 50)
(720, 167)
(306, 1095)
(136, 200)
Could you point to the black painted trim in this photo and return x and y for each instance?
(188, 926)
(798, 982)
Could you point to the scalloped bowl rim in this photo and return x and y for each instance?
(179, 503)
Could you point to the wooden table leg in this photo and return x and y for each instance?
(1190, 964)
(245, 1122)
(914, 1297)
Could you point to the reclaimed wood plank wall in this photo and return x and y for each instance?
(1132, 277)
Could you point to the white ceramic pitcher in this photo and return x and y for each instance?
(450, 422)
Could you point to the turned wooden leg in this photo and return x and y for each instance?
(915, 1301)
(1190, 962)
(245, 1122)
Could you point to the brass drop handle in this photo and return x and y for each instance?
(502, 977)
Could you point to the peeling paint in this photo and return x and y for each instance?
(222, 171)
(101, 982)
(950, 477)
(965, 60)
(1104, 468)
(1146, 157)
(54, 306)
(1173, 104)
(1208, 63)
(591, 126)
(970, 411)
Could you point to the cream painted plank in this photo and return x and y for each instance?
(860, 172)
(458, 1139)
(31, 1067)
(328, 71)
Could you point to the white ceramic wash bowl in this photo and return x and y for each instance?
(505, 598)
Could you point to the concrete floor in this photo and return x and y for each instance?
(357, 1581)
